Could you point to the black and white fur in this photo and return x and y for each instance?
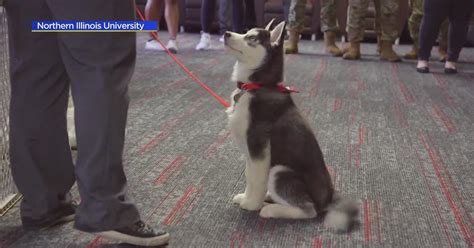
(285, 165)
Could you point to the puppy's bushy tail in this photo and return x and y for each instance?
(341, 214)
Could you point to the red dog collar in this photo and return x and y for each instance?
(255, 86)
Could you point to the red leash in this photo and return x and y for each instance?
(255, 86)
(185, 69)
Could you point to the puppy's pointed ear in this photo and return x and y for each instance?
(277, 35)
(269, 25)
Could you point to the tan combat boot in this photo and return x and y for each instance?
(443, 52)
(413, 54)
(344, 48)
(387, 53)
(353, 51)
(330, 42)
(291, 45)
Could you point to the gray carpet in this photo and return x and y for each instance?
(400, 142)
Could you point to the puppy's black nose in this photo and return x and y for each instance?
(227, 34)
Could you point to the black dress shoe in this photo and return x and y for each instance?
(424, 69)
(450, 70)
(63, 214)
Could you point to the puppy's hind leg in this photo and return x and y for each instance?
(287, 212)
(289, 194)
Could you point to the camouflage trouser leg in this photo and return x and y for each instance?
(355, 21)
(296, 15)
(329, 16)
(443, 33)
(378, 18)
(388, 12)
(414, 21)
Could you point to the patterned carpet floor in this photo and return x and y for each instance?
(400, 142)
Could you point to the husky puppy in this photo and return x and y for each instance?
(286, 176)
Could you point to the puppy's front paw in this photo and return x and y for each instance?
(238, 198)
(246, 203)
(251, 205)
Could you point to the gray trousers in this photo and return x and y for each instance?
(225, 16)
(98, 67)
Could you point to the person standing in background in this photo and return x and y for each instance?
(435, 11)
(329, 26)
(152, 13)
(414, 23)
(295, 25)
(98, 67)
(387, 11)
(208, 10)
(250, 15)
(225, 16)
(225, 7)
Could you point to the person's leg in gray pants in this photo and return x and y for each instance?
(98, 66)
(224, 16)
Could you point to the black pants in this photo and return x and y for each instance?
(98, 66)
(208, 10)
(250, 15)
(435, 11)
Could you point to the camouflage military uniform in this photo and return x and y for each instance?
(414, 23)
(296, 15)
(386, 11)
(329, 16)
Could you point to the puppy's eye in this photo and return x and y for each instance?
(251, 38)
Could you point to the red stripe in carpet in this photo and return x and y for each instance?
(444, 187)
(232, 240)
(361, 134)
(168, 127)
(172, 167)
(161, 203)
(313, 91)
(337, 104)
(446, 120)
(317, 242)
(237, 237)
(179, 205)
(433, 199)
(261, 225)
(367, 219)
(401, 115)
(160, 89)
(154, 142)
(378, 214)
(190, 206)
(241, 240)
(217, 143)
(443, 86)
(403, 88)
(452, 184)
